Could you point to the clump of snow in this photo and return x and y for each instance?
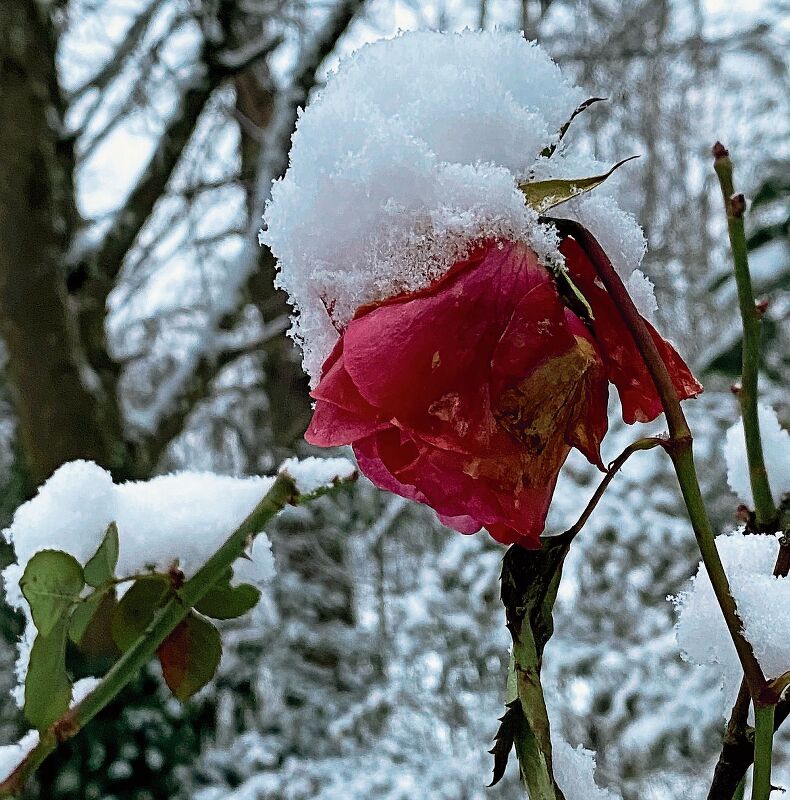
(413, 150)
(12, 754)
(258, 567)
(776, 452)
(763, 603)
(574, 769)
(82, 688)
(312, 474)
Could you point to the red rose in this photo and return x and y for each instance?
(469, 395)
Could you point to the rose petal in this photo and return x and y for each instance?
(412, 351)
(625, 367)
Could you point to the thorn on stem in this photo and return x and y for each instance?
(762, 306)
(738, 205)
(736, 388)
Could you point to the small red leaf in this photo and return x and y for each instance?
(190, 656)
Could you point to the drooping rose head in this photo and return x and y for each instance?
(426, 288)
(469, 394)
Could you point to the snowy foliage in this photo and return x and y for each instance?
(776, 452)
(763, 603)
(178, 519)
(431, 134)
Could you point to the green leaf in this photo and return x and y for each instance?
(101, 567)
(224, 601)
(51, 583)
(82, 616)
(576, 293)
(543, 195)
(190, 656)
(47, 685)
(136, 609)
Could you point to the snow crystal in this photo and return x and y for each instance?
(763, 603)
(573, 771)
(12, 754)
(776, 451)
(311, 474)
(430, 134)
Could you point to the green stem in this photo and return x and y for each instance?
(282, 492)
(764, 507)
(679, 446)
(763, 746)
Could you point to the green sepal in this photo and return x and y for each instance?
(543, 195)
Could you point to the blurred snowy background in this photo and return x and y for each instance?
(141, 329)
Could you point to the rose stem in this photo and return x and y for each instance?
(679, 446)
(734, 205)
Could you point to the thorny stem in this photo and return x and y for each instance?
(763, 746)
(734, 205)
(679, 447)
(282, 493)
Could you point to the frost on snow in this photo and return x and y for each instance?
(430, 135)
(776, 452)
(763, 603)
(312, 474)
(180, 518)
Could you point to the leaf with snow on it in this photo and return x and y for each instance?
(549, 151)
(313, 475)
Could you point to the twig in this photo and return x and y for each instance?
(648, 443)
(735, 205)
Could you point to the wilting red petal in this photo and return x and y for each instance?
(625, 366)
(341, 414)
(466, 493)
